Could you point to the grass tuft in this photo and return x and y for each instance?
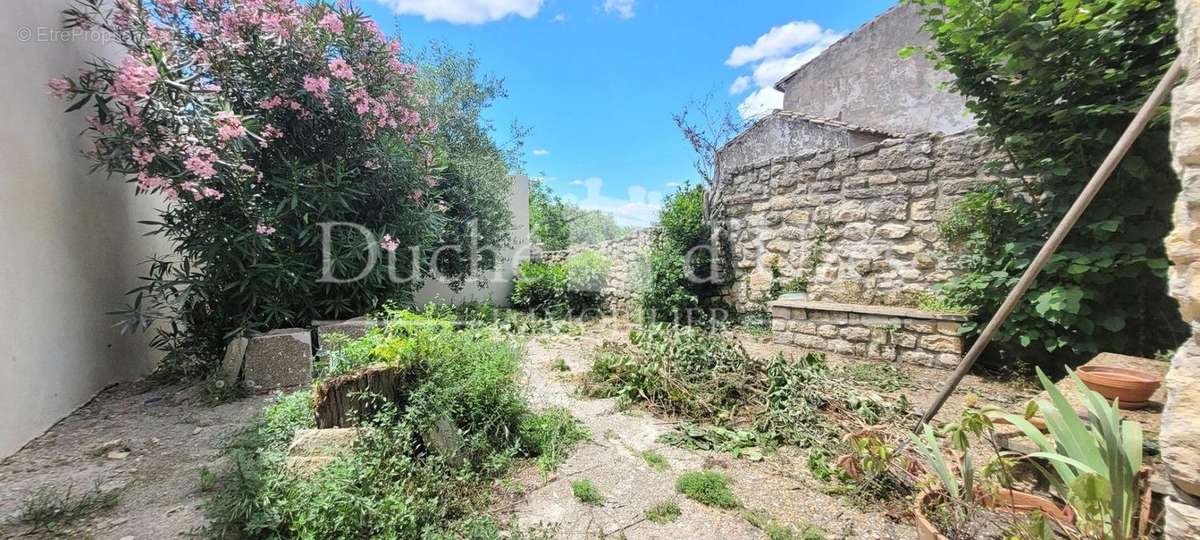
(586, 492)
(655, 460)
(663, 512)
(559, 364)
(708, 488)
(550, 435)
(50, 507)
(774, 530)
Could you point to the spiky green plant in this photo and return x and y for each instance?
(1096, 470)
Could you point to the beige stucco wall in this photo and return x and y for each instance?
(1180, 437)
(69, 242)
(497, 285)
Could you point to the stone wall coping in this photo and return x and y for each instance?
(891, 311)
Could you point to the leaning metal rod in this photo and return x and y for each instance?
(1068, 221)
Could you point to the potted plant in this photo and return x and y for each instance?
(960, 505)
(1095, 466)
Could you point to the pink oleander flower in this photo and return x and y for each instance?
(332, 22)
(318, 87)
(59, 87)
(229, 126)
(142, 157)
(268, 104)
(211, 193)
(431, 181)
(150, 182)
(134, 80)
(264, 230)
(200, 162)
(417, 196)
(389, 244)
(340, 69)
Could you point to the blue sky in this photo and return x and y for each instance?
(598, 80)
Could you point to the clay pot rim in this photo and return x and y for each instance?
(1118, 376)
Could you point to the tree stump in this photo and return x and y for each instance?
(343, 401)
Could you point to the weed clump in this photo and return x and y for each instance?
(395, 482)
(663, 512)
(586, 492)
(655, 460)
(707, 488)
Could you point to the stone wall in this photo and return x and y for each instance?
(787, 133)
(627, 255)
(863, 221)
(872, 332)
(1180, 435)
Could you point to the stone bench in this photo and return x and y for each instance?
(873, 332)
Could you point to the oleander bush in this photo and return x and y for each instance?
(260, 124)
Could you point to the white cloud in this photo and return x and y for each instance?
(775, 55)
(561, 17)
(576, 182)
(740, 84)
(769, 72)
(779, 41)
(541, 152)
(639, 210)
(464, 11)
(760, 103)
(622, 8)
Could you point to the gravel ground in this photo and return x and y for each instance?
(780, 485)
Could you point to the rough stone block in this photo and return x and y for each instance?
(279, 358)
(827, 330)
(1183, 520)
(855, 333)
(780, 312)
(782, 338)
(235, 355)
(919, 358)
(919, 326)
(941, 343)
(1180, 435)
(948, 328)
(312, 449)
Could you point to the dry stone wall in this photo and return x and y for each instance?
(873, 332)
(628, 255)
(1180, 436)
(862, 224)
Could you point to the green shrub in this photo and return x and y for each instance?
(707, 488)
(571, 287)
(677, 285)
(663, 512)
(1054, 84)
(586, 492)
(392, 484)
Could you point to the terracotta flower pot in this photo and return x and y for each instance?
(1004, 500)
(1133, 387)
(925, 528)
(1019, 501)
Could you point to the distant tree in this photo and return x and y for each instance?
(591, 226)
(547, 218)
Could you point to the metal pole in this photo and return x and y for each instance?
(1068, 221)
